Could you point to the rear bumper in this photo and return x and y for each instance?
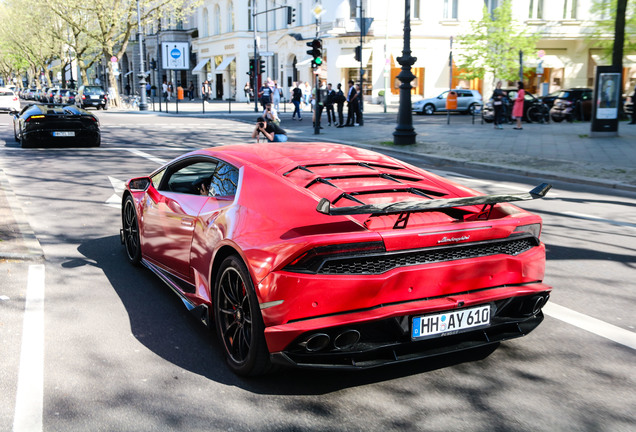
(385, 332)
(45, 138)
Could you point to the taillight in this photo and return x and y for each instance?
(311, 261)
(83, 97)
(534, 229)
(105, 97)
(34, 117)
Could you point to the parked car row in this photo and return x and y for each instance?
(85, 96)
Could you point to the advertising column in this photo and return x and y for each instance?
(607, 97)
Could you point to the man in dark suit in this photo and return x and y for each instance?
(352, 104)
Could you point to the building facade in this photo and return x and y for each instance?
(224, 33)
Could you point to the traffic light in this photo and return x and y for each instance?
(315, 52)
(252, 67)
(358, 53)
(153, 64)
(261, 67)
(291, 15)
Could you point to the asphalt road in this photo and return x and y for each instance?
(119, 352)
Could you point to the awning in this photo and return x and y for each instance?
(224, 64)
(304, 62)
(347, 59)
(552, 61)
(199, 67)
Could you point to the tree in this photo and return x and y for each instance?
(492, 46)
(602, 35)
(111, 23)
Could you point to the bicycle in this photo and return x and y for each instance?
(538, 113)
(130, 102)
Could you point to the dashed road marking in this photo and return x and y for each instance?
(30, 394)
(598, 219)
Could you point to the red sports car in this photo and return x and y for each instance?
(328, 256)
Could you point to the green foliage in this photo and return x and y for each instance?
(602, 35)
(493, 45)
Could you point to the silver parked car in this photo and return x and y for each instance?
(467, 102)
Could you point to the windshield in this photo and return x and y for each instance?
(93, 91)
(563, 95)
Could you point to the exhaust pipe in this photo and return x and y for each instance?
(347, 339)
(317, 342)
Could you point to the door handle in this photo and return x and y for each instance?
(187, 222)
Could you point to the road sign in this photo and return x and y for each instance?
(175, 55)
(266, 53)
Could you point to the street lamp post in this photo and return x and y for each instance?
(143, 104)
(404, 133)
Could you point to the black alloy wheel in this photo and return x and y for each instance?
(429, 109)
(131, 231)
(238, 321)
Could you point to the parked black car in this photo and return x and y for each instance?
(573, 104)
(549, 99)
(91, 96)
(49, 125)
(533, 109)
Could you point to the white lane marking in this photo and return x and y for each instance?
(30, 395)
(592, 325)
(147, 156)
(118, 187)
(598, 219)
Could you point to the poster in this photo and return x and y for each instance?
(608, 96)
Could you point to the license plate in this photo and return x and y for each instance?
(64, 134)
(94, 96)
(449, 323)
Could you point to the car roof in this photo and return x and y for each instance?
(52, 109)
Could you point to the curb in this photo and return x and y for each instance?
(27, 238)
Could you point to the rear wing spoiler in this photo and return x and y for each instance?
(324, 206)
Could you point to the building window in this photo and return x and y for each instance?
(299, 15)
(272, 5)
(491, 5)
(206, 19)
(536, 9)
(250, 18)
(450, 9)
(569, 9)
(230, 18)
(415, 10)
(217, 20)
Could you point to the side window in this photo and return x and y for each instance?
(193, 178)
(224, 181)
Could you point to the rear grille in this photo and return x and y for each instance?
(377, 264)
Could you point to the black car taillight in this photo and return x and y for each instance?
(311, 261)
(534, 229)
(34, 117)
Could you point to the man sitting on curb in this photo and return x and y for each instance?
(272, 131)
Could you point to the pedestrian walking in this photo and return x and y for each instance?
(164, 90)
(247, 89)
(296, 97)
(205, 90)
(307, 94)
(340, 99)
(265, 94)
(170, 90)
(517, 109)
(359, 121)
(329, 101)
(191, 91)
(276, 93)
(497, 97)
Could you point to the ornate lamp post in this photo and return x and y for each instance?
(404, 133)
(143, 103)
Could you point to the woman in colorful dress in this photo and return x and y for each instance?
(517, 109)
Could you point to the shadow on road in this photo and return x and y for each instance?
(159, 321)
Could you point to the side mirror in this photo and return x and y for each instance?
(140, 183)
(13, 112)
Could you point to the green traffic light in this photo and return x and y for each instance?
(318, 61)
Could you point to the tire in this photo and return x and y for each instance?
(238, 321)
(429, 109)
(471, 109)
(534, 115)
(130, 226)
(556, 119)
